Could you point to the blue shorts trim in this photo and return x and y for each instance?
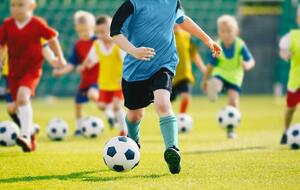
(81, 96)
(229, 86)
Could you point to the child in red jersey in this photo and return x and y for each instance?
(88, 88)
(21, 34)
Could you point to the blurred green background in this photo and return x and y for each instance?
(262, 23)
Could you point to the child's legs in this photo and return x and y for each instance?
(93, 94)
(185, 102)
(233, 98)
(133, 120)
(120, 113)
(25, 110)
(289, 113)
(162, 103)
(78, 115)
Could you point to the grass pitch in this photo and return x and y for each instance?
(209, 161)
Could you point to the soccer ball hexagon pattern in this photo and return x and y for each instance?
(57, 129)
(293, 135)
(229, 117)
(121, 154)
(185, 123)
(9, 132)
(92, 127)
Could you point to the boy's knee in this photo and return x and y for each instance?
(164, 108)
(23, 96)
(134, 117)
(93, 95)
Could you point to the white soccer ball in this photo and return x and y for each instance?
(57, 129)
(92, 127)
(9, 132)
(293, 136)
(35, 129)
(229, 117)
(185, 123)
(121, 154)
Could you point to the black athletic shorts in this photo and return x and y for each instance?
(228, 86)
(139, 94)
(183, 86)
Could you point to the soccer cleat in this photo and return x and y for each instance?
(284, 139)
(24, 144)
(111, 122)
(212, 89)
(77, 133)
(172, 157)
(33, 142)
(123, 133)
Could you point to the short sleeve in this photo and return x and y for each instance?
(45, 31)
(285, 42)
(179, 13)
(73, 58)
(246, 54)
(92, 56)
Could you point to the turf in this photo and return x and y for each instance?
(209, 161)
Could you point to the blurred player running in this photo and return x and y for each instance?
(144, 29)
(227, 71)
(88, 88)
(110, 58)
(290, 51)
(21, 34)
(184, 79)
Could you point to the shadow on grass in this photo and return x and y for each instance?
(81, 176)
(226, 150)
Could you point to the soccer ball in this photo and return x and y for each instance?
(121, 154)
(57, 129)
(92, 127)
(229, 117)
(185, 123)
(9, 132)
(293, 135)
(35, 129)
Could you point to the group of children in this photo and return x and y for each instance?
(133, 59)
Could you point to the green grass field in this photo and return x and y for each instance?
(209, 161)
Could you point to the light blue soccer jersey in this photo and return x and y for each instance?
(151, 25)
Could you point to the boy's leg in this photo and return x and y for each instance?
(214, 87)
(185, 102)
(79, 117)
(120, 115)
(133, 121)
(233, 100)
(25, 113)
(105, 104)
(93, 94)
(12, 111)
(169, 129)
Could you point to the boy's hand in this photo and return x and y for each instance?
(80, 68)
(204, 85)
(143, 53)
(57, 73)
(215, 48)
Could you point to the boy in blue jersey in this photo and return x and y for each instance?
(144, 29)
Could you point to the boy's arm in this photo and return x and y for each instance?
(207, 75)
(56, 48)
(248, 59)
(284, 46)
(190, 26)
(62, 71)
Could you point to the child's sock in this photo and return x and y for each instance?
(184, 105)
(109, 112)
(15, 118)
(78, 123)
(169, 130)
(120, 115)
(26, 120)
(133, 130)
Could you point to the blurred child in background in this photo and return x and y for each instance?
(21, 34)
(227, 71)
(110, 58)
(290, 51)
(88, 87)
(184, 79)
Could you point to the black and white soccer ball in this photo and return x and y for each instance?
(9, 132)
(185, 123)
(293, 136)
(92, 127)
(229, 117)
(57, 129)
(121, 154)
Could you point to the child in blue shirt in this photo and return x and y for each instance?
(144, 29)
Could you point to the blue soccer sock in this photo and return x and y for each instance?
(133, 130)
(169, 130)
